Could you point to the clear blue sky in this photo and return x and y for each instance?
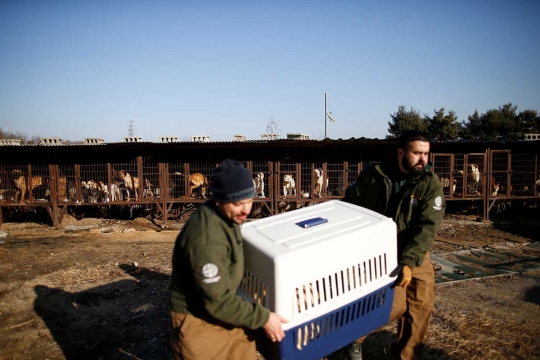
(76, 69)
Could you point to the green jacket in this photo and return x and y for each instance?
(419, 212)
(208, 265)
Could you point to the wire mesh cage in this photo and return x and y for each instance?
(25, 184)
(333, 184)
(442, 167)
(67, 183)
(175, 181)
(151, 179)
(128, 174)
(311, 180)
(474, 174)
(198, 180)
(93, 179)
(287, 181)
(500, 174)
(459, 171)
(353, 170)
(523, 175)
(261, 178)
(537, 182)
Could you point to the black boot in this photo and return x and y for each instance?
(354, 351)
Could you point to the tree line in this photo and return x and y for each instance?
(502, 124)
(29, 140)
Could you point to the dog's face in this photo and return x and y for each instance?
(318, 172)
(122, 174)
(473, 168)
(287, 178)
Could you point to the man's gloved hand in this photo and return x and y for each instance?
(404, 275)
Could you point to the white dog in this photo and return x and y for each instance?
(258, 185)
(473, 178)
(319, 181)
(289, 185)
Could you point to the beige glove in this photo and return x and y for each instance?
(405, 277)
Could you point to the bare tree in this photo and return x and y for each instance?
(13, 135)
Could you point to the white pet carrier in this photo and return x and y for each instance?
(326, 269)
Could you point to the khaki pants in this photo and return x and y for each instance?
(195, 339)
(412, 307)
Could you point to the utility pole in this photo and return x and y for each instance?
(327, 115)
(325, 112)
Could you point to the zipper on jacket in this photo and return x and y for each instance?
(388, 182)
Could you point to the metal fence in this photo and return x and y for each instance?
(486, 177)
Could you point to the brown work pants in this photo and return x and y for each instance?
(195, 339)
(412, 307)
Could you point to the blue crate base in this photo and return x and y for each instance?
(322, 336)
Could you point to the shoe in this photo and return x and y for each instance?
(354, 351)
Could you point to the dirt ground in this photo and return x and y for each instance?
(97, 289)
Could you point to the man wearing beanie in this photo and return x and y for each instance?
(209, 320)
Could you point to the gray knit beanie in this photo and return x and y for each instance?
(231, 182)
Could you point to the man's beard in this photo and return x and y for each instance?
(410, 167)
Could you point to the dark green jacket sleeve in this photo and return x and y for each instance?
(217, 269)
(369, 190)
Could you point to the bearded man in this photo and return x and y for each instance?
(404, 188)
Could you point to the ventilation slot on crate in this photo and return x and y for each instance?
(254, 288)
(318, 292)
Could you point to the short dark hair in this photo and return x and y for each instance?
(409, 136)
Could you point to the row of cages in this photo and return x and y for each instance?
(494, 174)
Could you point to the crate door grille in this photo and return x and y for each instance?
(317, 329)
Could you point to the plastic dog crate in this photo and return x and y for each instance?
(326, 269)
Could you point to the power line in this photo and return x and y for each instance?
(130, 128)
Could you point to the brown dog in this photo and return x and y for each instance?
(196, 180)
(20, 183)
(131, 183)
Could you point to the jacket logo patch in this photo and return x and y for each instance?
(438, 203)
(210, 271)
